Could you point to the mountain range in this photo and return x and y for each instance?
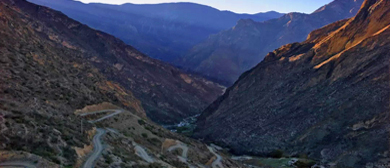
(326, 98)
(74, 96)
(226, 55)
(151, 81)
(54, 64)
(54, 71)
(163, 31)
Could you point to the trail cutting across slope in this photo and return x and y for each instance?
(97, 149)
(184, 155)
(180, 146)
(139, 150)
(17, 164)
(97, 143)
(217, 162)
(116, 112)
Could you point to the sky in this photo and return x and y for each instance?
(239, 6)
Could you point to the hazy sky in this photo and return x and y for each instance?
(239, 6)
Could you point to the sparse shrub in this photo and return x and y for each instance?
(44, 152)
(127, 134)
(55, 160)
(144, 135)
(69, 153)
(276, 154)
(155, 165)
(155, 141)
(304, 164)
(304, 156)
(148, 128)
(183, 129)
(141, 122)
(108, 159)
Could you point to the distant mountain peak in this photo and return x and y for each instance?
(229, 53)
(245, 22)
(338, 5)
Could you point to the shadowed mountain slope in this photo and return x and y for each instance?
(327, 98)
(163, 31)
(51, 65)
(52, 43)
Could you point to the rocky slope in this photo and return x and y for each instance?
(51, 65)
(166, 93)
(326, 98)
(164, 31)
(41, 82)
(228, 54)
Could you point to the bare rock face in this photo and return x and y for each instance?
(327, 98)
(226, 55)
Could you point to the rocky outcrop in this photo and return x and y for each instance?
(326, 98)
(226, 55)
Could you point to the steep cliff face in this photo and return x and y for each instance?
(228, 54)
(327, 98)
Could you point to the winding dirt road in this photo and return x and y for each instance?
(97, 112)
(17, 164)
(184, 154)
(139, 150)
(217, 162)
(97, 149)
(115, 112)
(97, 143)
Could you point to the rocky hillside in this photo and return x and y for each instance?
(326, 98)
(41, 82)
(228, 54)
(134, 142)
(166, 94)
(52, 65)
(164, 31)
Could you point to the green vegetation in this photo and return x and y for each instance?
(108, 159)
(155, 141)
(128, 134)
(304, 163)
(269, 162)
(276, 154)
(141, 122)
(69, 153)
(280, 162)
